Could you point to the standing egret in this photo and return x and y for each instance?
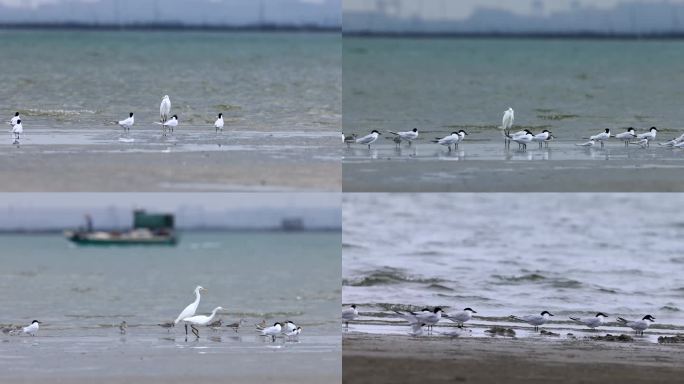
(200, 320)
(190, 309)
(126, 124)
(164, 109)
(218, 124)
(507, 124)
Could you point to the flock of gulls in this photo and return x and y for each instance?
(522, 138)
(287, 330)
(166, 120)
(425, 319)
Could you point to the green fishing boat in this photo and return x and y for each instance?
(148, 229)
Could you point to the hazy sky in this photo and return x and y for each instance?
(325, 12)
(462, 9)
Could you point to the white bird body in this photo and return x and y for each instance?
(127, 123)
(679, 145)
(192, 307)
(289, 327)
(218, 124)
(429, 318)
(349, 314)
(626, 136)
(461, 317)
(18, 128)
(202, 319)
(295, 332)
(508, 118)
(164, 109)
(541, 137)
(674, 142)
(605, 135)
(535, 320)
(408, 135)
(522, 139)
(453, 138)
(589, 143)
(643, 143)
(173, 122)
(591, 322)
(637, 325)
(31, 329)
(368, 139)
(272, 331)
(650, 135)
(14, 119)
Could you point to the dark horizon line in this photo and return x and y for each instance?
(172, 26)
(519, 35)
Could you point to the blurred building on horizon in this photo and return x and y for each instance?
(515, 16)
(321, 13)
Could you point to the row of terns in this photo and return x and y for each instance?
(428, 318)
(188, 317)
(522, 138)
(166, 120)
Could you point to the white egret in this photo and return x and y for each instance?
(164, 109)
(190, 309)
(200, 320)
(507, 123)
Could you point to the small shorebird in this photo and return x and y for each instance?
(535, 320)
(369, 139)
(128, 122)
(218, 124)
(639, 326)
(122, 327)
(272, 331)
(349, 314)
(168, 325)
(31, 329)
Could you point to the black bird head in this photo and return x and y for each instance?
(470, 309)
(547, 313)
(649, 318)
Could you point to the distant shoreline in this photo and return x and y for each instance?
(518, 35)
(307, 28)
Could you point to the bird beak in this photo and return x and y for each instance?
(474, 311)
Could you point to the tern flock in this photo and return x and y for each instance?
(166, 120)
(522, 137)
(427, 318)
(287, 330)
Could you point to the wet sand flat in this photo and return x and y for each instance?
(186, 161)
(487, 167)
(392, 359)
(151, 355)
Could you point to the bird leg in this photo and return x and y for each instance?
(195, 331)
(186, 329)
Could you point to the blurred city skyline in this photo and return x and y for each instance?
(57, 211)
(324, 13)
(515, 16)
